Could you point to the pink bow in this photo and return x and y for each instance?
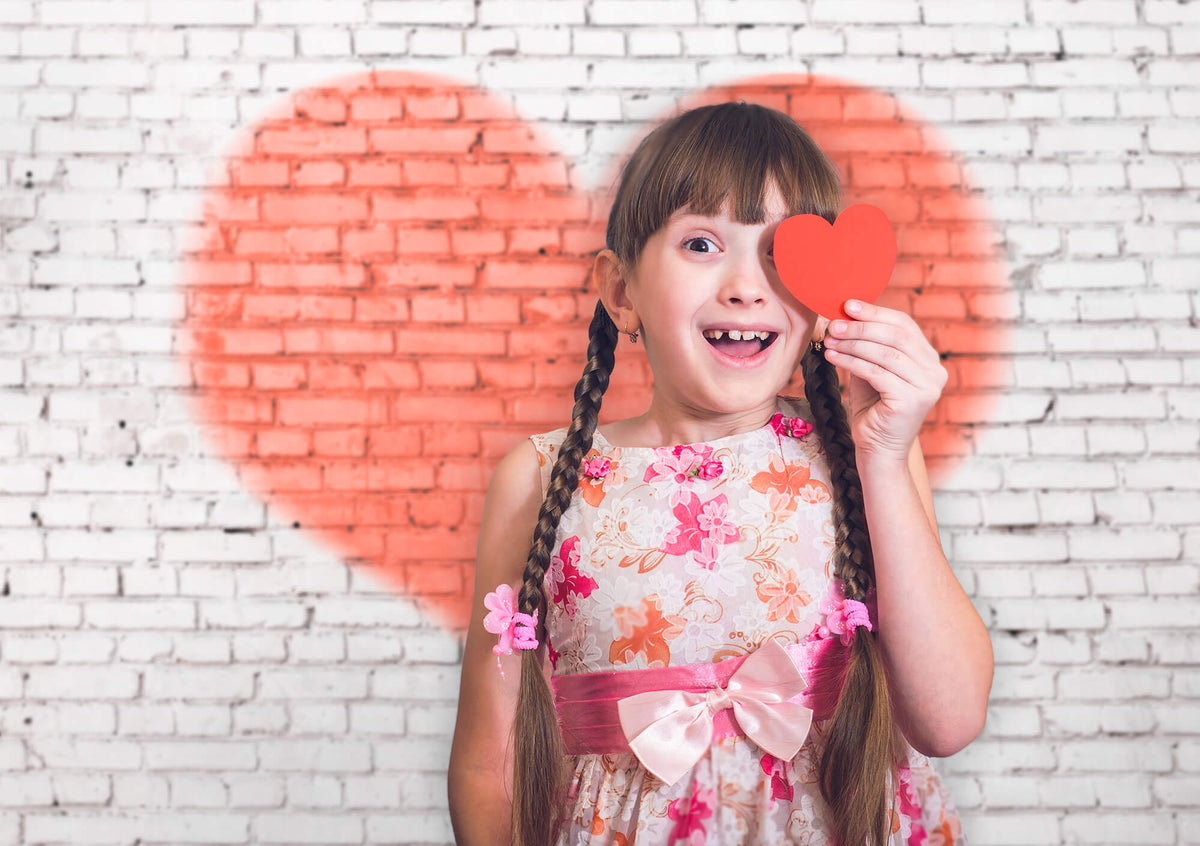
(669, 730)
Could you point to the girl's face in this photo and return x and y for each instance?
(698, 280)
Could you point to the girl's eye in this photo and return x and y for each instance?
(700, 238)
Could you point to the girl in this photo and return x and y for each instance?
(735, 623)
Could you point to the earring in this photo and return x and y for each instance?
(819, 346)
(632, 335)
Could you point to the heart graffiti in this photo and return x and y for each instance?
(389, 290)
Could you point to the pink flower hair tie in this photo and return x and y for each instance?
(515, 630)
(842, 616)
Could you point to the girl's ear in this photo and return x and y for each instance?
(821, 329)
(610, 281)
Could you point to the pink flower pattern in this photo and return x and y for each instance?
(689, 814)
(780, 773)
(683, 464)
(697, 521)
(568, 582)
(909, 805)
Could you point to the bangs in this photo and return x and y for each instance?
(705, 157)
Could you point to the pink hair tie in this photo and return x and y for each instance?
(515, 630)
(842, 616)
(856, 615)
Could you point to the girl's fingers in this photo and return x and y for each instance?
(883, 381)
(878, 359)
(889, 326)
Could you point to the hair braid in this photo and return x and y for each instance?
(853, 562)
(539, 775)
(857, 762)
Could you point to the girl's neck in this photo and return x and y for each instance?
(668, 425)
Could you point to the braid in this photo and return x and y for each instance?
(858, 759)
(538, 760)
(852, 559)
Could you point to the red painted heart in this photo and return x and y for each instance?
(824, 265)
(390, 290)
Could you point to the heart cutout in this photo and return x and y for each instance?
(824, 265)
(389, 290)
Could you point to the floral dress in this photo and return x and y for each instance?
(695, 554)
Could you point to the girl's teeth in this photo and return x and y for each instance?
(737, 335)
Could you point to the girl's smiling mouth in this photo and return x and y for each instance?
(745, 344)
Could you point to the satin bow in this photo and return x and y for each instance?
(669, 730)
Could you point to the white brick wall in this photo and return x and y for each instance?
(179, 665)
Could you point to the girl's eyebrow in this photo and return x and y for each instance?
(688, 219)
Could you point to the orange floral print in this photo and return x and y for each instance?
(645, 632)
(781, 590)
(793, 483)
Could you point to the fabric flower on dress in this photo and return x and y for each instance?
(796, 427)
(842, 615)
(598, 467)
(599, 473)
(515, 630)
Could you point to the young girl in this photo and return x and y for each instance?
(735, 623)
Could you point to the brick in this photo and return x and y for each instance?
(1123, 828)
(955, 74)
(63, 682)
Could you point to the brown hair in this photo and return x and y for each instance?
(695, 160)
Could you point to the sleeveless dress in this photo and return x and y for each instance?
(695, 554)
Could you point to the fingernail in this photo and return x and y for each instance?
(853, 306)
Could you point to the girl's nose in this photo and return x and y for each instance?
(747, 283)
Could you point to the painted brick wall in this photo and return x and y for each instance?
(182, 662)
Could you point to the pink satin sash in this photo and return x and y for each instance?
(587, 702)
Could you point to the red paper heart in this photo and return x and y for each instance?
(823, 265)
(390, 290)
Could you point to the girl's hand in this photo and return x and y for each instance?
(896, 377)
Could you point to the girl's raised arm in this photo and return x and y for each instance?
(481, 766)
